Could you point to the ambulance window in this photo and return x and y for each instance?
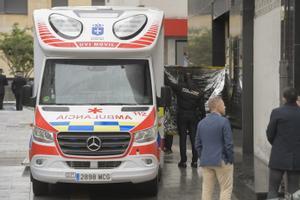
(96, 82)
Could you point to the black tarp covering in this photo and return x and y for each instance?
(209, 80)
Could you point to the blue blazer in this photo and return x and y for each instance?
(214, 140)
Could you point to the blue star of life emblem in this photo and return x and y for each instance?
(97, 29)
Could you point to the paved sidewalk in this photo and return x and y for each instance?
(15, 132)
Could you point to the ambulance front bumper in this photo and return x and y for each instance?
(55, 169)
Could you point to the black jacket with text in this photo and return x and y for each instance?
(190, 100)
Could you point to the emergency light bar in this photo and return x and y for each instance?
(66, 27)
(98, 13)
(128, 28)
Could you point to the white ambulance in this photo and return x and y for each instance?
(98, 81)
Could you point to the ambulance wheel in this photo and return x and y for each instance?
(39, 188)
(151, 187)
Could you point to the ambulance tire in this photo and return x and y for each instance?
(39, 188)
(150, 188)
(159, 174)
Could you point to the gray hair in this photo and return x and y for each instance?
(212, 102)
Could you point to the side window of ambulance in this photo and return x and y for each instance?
(48, 85)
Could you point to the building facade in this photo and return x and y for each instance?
(257, 41)
(20, 11)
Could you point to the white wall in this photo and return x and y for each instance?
(172, 8)
(266, 77)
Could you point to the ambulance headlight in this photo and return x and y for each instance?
(144, 136)
(130, 27)
(66, 27)
(41, 135)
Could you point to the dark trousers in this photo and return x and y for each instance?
(168, 142)
(187, 126)
(275, 178)
(19, 101)
(1, 100)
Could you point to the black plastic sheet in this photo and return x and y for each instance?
(210, 81)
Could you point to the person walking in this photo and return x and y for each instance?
(190, 104)
(3, 83)
(215, 149)
(17, 88)
(283, 133)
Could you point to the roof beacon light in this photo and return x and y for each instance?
(66, 27)
(130, 27)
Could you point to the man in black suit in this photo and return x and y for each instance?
(3, 83)
(283, 133)
(17, 88)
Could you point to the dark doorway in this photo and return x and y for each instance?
(297, 46)
(219, 33)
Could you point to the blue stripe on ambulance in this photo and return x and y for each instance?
(60, 123)
(106, 123)
(126, 128)
(81, 128)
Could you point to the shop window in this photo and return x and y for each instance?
(181, 53)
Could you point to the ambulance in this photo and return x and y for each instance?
(98, 91)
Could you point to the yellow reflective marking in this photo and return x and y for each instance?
(128, 123)
(81, 124)
(106, 128)
(62, 128)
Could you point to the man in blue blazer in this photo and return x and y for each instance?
(215, 149)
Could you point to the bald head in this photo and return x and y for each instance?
(216, 104)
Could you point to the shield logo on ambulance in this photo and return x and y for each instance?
(98, 29)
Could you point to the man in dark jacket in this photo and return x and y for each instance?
(283, 133)
(190, 104)
(215, 149)
(3, 83)
(17, 88)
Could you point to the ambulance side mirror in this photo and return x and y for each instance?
(28, 100)
(166, 97)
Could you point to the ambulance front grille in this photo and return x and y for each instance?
(75, 143)
(99, 164)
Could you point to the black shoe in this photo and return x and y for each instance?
(182, 164)
(168, 151)
(194, 165)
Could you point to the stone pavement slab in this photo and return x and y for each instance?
(15, 133)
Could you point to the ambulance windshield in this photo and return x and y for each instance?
(96, 82)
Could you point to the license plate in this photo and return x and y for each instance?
(92, 177)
